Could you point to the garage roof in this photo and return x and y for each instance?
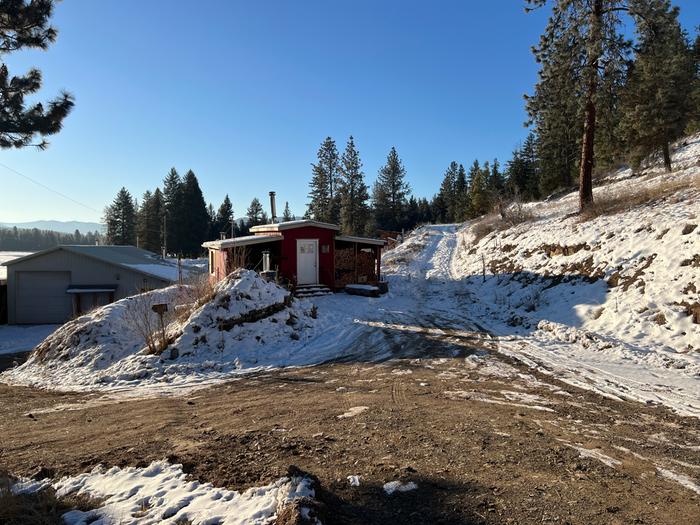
(127, 257)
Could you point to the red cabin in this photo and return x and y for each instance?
(303, 252)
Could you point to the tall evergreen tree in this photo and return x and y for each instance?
(522, 171)
(694, 116)
(462, 207)
(150, 220)
(324, 202)
(583, 42)
(445, 202)
(657, 97)
(195, 224)
(120, 219)
(497, 180)
(479, 190)
(287, 213)
(354, 211)
(389, 194)
(255, 213)
(174, 212)
(26, 25)
(224, 218)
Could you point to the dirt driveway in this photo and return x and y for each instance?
(485, 440)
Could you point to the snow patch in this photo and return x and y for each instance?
(163, 493)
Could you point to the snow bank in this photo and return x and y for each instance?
(248, 324)
(162, 493)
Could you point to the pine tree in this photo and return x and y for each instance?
(425, 213)
(120, 219)
(255, 213)
(389, 194)
(26, 25)
(175, 214)
(354, 211)
(324, 205)
(522, 171)
(149, 221)
(582, 43)
(657, 97)
(694, 114)
(195, 220)
(412, 213)
(462, 207)
(479, 193)
(211, 219)
(497, 180)
(287, 213)
(224, 218)
(445, 202)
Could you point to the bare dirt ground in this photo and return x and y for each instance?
(486, 440)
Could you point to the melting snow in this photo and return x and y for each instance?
(163, 493)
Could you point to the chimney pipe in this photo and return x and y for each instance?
(273, 207)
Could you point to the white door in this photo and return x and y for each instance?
(307, 261)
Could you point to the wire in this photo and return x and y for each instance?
(48, 188)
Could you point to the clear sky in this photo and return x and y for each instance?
(243, 93)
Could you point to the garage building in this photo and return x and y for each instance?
(55, 285)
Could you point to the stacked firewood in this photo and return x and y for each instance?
(354, 267)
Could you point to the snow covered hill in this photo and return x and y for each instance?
(608, 302)
(106, 349)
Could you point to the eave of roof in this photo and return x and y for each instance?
(280, 226)
(248, 240)
(90, 256)
(360, 240)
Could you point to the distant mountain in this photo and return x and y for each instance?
(58, 226)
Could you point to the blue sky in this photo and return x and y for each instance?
(243, 93)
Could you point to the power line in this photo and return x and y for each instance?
(48, 188)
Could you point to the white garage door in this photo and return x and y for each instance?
(41, 297)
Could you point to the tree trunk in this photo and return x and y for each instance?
(587, 155)
(667, 157)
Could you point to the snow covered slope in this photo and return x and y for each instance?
(610, 302)
(248, 324)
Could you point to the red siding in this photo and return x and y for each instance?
(326, 261)
(288, 254)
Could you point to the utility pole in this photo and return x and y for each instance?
(165, 237)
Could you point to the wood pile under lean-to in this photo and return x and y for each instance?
(352, 265)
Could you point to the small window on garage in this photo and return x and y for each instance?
(211, 261)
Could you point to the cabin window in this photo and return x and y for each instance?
(325, 248)
(211, 261)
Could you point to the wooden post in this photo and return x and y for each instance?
(355, 261)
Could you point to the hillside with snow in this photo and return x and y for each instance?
(609, 301)
(247, 323)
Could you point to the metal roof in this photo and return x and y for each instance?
(279, 226)
(360, 240)
(127, 257)
(241, 241)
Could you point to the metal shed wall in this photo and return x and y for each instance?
(82, 270)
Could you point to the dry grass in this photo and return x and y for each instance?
(40, 508)
(635, 196)
(509, 216)
(139, 316)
